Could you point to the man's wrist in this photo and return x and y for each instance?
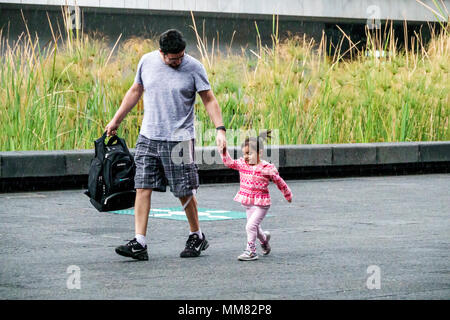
(221, 128)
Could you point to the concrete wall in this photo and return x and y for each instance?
(18, 164)
(226, 22)
(240, 31)
(342, 9)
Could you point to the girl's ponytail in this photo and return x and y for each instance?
(265, 135)
(257, 143)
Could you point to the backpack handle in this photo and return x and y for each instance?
(120, 141)
(100, 144)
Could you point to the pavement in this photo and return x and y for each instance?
(343, 238)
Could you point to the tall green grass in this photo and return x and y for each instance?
(313, 96)
(62, 96)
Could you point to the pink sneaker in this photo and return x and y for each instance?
(266, 246)
(247, 255)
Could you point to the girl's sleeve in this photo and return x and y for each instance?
(281, 184)
(229, 162)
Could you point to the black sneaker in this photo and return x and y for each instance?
(194, 246)
(133, 249)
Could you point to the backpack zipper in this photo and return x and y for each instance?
(115, 194)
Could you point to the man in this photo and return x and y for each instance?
(169, 80)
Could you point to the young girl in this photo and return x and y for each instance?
(255, 175)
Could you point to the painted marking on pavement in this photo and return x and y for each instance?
(177, 213)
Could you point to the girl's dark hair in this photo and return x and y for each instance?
(172, 41)
(257, 143)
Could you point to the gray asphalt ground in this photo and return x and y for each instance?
(322, 245)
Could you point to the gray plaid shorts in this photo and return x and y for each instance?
(161, 163)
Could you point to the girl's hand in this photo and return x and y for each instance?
(290, 200)
(223, 150)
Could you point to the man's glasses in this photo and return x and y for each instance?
(175, 59)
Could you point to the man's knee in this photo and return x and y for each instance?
(143, 192)
(188, 200)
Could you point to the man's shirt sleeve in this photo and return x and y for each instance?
(201, 79)
(138, 77)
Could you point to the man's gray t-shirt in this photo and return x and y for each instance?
(169, 96)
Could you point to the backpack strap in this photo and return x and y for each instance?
(100, 146)
(120, 141)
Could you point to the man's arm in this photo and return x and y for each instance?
(215, 114)
(129, 101)
(212, 107)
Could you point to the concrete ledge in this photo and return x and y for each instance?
(24, 164)
(402, 152)
(208, 158)
(33, 164)
(77, 161)
(354, 154)
(434, 151)
(306, 155)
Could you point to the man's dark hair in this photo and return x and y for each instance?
(172, 41)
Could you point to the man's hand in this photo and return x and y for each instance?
(221, 141)
(111, 128)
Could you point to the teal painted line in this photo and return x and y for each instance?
(177, 213)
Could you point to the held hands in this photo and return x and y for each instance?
(221, 141)
(223, 150)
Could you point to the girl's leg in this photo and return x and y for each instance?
(261, 236)
(253, 228)
(250, 232)
(249, 210)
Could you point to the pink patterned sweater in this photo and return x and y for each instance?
(255, 181)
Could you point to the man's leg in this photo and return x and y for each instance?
(182, 177)
(149, 177)
(197, 240)
(137, 248)
(141, 210)
(191, 212)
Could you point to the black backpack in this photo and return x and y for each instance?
(111, 175)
